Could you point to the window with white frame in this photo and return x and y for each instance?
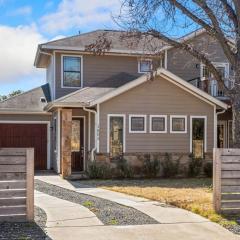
(71, 71)
(178, 124)
(144, 65)
(158, 123)
(137, 123)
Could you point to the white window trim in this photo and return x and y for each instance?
(159, 116)
(139, 64)
(178, 116)
(205, 132)
(124, 130)
(216, 64)
(71, 55)
(145, 123)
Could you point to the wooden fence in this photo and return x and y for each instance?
(16, 184)
(226, 181)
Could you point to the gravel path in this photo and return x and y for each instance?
(110, 213)
(25, 231)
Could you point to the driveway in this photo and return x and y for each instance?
(70, 220)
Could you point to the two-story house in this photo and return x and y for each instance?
(102, 107)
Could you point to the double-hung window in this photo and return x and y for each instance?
(71, 71)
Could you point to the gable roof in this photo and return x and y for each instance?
(91, 96)
(27, 102)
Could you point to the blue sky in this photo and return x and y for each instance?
(26, 23)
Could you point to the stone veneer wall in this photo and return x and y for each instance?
(136, 161)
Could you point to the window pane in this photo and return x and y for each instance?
(221, 70)
(72, 79)
(178, 124)
(137, 123)
(145, 66)
(158, 124)
(72, 64)
(116, 136)
(75, 141)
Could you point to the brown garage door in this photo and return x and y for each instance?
(26, 135)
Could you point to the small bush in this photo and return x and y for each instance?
(194, 167)
(99, 170)
(123, 168)
(208, 169)
(170, 168)
(151, 168)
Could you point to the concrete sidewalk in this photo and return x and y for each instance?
(175, 223)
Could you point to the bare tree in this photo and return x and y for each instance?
(220, 19)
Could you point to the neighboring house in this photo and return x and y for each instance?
(103, 107)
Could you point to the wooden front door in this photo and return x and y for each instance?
(77, 144)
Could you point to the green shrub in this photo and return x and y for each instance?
(170, 168)
(194, 167)
(151, 168)
(208, 169)
(99, 170)
(123, 168)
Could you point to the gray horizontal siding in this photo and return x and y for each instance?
(156, 97)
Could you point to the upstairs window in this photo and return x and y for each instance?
(144, 66)
(71, 72)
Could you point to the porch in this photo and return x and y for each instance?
(74, 135)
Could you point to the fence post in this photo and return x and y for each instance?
(217, 161)
(30, 183)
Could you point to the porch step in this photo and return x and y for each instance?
(78, 176)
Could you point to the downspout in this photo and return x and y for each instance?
(95, 142)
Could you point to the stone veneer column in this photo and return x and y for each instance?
(66, 134)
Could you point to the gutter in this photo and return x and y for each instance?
(95, 142)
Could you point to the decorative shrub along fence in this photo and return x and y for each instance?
(16, 184)
(226, 180)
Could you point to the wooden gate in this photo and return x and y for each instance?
(226, 180)
(16, 184)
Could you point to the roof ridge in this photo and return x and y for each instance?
(25, 92)
(82, 34)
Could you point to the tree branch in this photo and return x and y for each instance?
(231, 13)
(219, 34)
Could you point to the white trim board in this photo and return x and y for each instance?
(205, 131)
(48, 134)
(124, 130)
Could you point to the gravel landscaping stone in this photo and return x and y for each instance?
(110, 213)
(25, 231)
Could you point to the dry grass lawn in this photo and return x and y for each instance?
(194, 195)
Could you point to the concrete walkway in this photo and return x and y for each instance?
(175, 223)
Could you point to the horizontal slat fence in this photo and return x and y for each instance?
(16, 184)
(226, 180)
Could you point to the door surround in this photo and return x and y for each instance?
(205, 132)
(84, 138)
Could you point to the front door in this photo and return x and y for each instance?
(198, 136)
(77, 144)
